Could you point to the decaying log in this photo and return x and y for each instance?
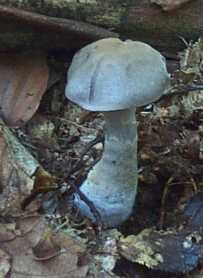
(27, 30)
(132, 19)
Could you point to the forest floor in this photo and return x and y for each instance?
(162, 237)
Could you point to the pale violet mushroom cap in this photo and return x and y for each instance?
(111, 74)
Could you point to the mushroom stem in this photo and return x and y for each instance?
(112, 184)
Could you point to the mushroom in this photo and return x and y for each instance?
(114, 77)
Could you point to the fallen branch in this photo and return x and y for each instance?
(53, 24)
(137, 20)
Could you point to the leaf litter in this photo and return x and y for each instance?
(49, 238)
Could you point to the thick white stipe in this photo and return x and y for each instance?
(112, 184)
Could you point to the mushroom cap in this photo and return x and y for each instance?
(111, 74)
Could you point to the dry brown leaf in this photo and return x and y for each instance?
(24, 263)
(69, 243)
(43, 183)
(46, 248)
(182, 101)
(7, 232)
(17, 166)
(23, 81)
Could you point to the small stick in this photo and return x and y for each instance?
(75, 124)
(163, 200)
(181, 90)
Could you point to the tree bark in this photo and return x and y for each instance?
(138, 20)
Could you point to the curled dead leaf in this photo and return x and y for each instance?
(46, 248)
(36, 252)
(7, 232)
(23, 81)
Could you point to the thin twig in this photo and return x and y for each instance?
(163, 201)
(75, 124)
(170, 183)
(91, 206)
(81, 177)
